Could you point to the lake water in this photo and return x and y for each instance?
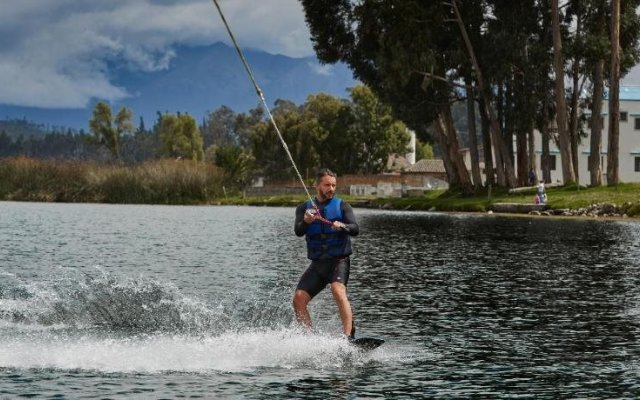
(112, 301)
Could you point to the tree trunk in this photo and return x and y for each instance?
(564, 143)
(533, 165)
(574, 131)
(545, 158)
(613, 176)
(473, 140)
(448, 135)
(486, 144)
(522, 158)
(504, 166)
(595, 166)
(573, 120)
(449, 168)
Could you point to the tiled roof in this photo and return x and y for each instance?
(427, 166)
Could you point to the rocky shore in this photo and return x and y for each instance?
(603, 210)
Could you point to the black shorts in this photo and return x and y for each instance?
(321, 273)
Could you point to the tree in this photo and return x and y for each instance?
(333, 118)
(374, 131)
(219, 128)
(613, 176)
(237, 164)
(403, 52)
(423, 151)
(506, 176)
(596, 49)
(244, 123)
(180, 136)
(107, 131)
(564, 143)
(353, 136)
(297, 132)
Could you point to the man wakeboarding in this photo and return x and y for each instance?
(327, 226)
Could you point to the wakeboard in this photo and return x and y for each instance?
(367, 343)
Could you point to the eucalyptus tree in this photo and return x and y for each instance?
(592, 47)
(107, 130)
(404, 51)
(597, 48)
(516, 60)
(613, 173)
(564, 143)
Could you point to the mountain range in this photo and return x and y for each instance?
(201, 79)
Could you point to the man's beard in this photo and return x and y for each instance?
(327, 195)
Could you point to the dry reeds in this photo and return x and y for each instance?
(153, 182)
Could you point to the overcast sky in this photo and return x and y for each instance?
(55, 53)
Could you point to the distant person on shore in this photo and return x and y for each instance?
(541, 195)
(327, 229)
(532, 177)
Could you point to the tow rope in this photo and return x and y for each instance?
(260, 94)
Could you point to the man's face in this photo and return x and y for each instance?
(326, 188)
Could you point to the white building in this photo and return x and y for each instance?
(629, 150)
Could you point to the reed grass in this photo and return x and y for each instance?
(153, 182)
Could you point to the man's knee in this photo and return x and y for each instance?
(301, 298)
(338, 289)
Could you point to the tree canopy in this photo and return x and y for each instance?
(416, 55)
(107, 130)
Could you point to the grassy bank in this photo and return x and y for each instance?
(155, 182)
(570, 197)
(187, 182)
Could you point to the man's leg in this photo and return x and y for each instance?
(300, 300)
(339, 291)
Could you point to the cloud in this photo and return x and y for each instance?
(321, 69)
(633, 77)
(58, 53)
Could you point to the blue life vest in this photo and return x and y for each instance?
(322, 239)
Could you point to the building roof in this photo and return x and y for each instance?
(427, 166)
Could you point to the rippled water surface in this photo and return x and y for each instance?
(103, 301)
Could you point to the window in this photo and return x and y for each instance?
(623, 116)
(637, 123)
(637, 164)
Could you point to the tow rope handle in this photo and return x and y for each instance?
(319, 217)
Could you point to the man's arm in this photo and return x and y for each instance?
(349, 219)
(300, 227)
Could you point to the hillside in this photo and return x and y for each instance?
(15, 128)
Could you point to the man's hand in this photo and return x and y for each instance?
(337, 225)
(310, 215)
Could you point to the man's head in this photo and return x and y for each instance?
(325, 184)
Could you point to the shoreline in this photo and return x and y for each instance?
(365, 205)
